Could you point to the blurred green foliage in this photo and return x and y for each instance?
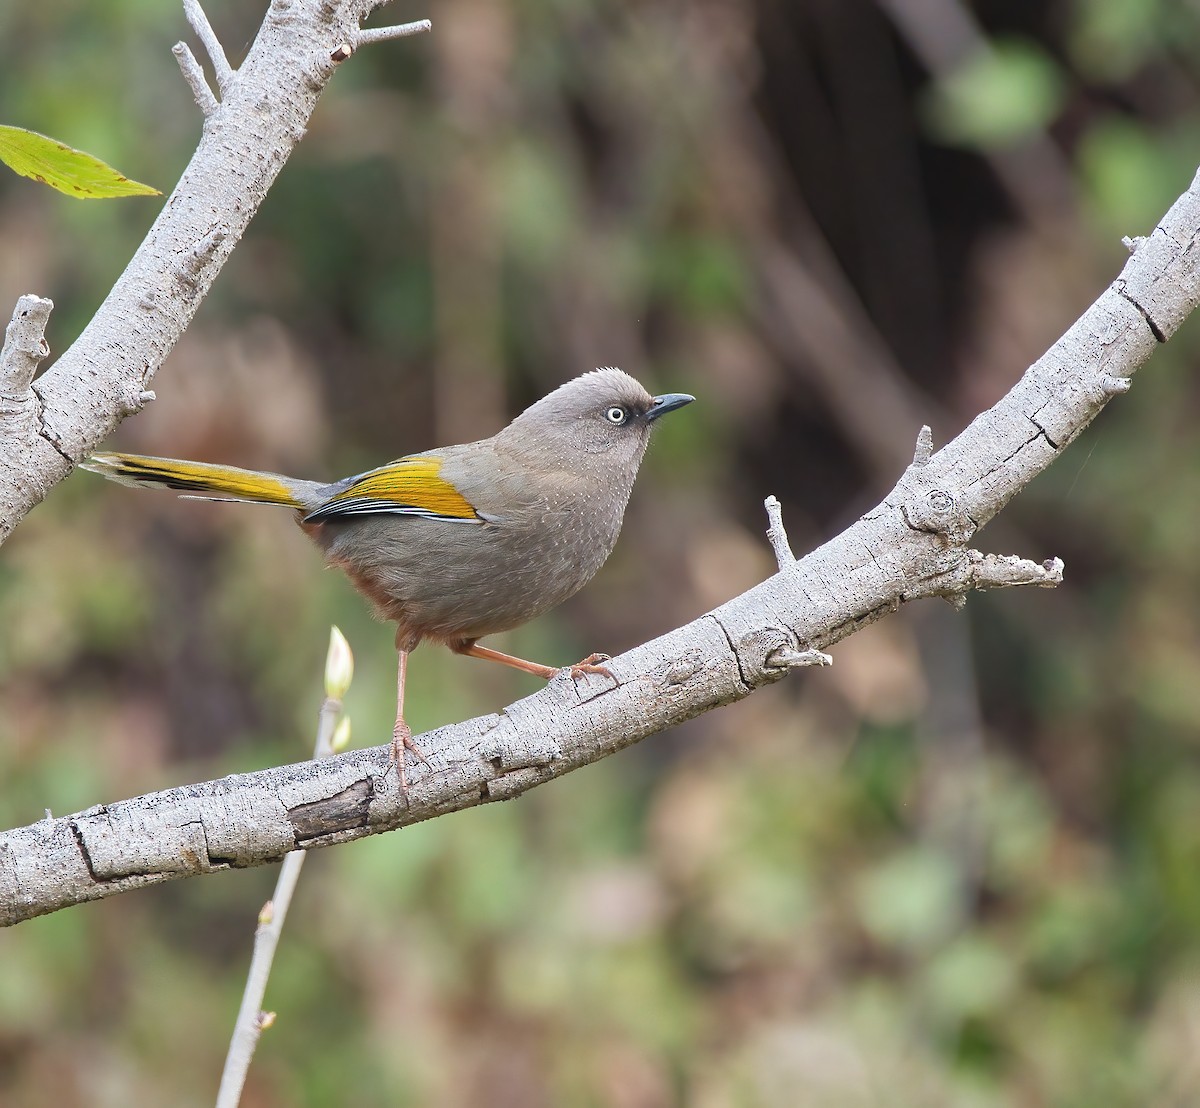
(960, 868)
(1003, 94)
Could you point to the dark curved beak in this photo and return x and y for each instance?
(668, 402)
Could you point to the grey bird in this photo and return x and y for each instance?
(463, 541)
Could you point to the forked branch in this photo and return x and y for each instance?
(249, 133)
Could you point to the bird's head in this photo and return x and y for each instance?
(602, 418)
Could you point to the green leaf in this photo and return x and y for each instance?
(70, 171)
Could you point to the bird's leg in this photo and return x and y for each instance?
(588, 665)
(474, 650)
(401, 733)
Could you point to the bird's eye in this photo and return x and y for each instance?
(616, 415)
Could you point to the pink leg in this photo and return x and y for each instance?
(401, 733)
(588, 665)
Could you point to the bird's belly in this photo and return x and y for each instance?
(453, 581)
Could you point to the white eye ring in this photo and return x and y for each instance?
(616, 415)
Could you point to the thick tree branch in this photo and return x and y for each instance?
(264, 109)
(912, 545)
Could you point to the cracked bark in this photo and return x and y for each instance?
(1154, 328)
(742, 676)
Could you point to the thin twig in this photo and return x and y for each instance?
(924, 448)
(194, 75)
(23, 351)
(1003, 571)
(784, 558)
(212, 45)
(401, 30)
(784, 657)
(251, 1019)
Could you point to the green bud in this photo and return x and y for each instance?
(339, 665)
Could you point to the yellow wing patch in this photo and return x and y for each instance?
(409, 486)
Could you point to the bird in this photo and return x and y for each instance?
(460, 542)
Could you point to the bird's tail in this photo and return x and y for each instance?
(202, 481)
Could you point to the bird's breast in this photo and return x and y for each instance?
(450, 580)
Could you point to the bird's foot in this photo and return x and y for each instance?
(402, 740)
(590, 664)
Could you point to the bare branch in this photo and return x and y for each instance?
(924, 448)
(212, 45)
(777, 535)
(106, 374)
(255, 818)
(1002, 571)
(787, 658)
(251, 1019)
(24, 349)
(194, 75)
(381, 34)
(912, 545)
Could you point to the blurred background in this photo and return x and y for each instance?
(960, 868)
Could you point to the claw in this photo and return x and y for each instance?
(589, 665)
(402, 740)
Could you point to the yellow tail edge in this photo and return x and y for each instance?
(196, 479)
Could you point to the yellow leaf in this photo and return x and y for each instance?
(70, 171)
